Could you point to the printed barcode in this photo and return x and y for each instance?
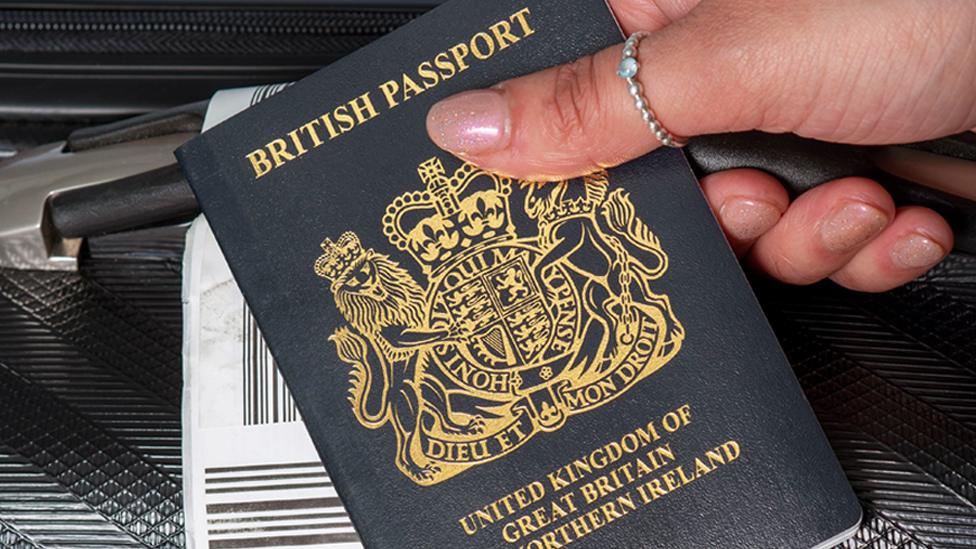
(275, 505)
(266, 396)
(263, 92)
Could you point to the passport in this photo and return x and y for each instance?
(488, 362)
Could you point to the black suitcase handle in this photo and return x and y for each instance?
(163, 195)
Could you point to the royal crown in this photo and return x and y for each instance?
(339, 257)
(451, 215)
(595, 192)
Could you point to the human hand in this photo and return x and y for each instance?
(878, 72)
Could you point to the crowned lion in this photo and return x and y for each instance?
(387, 343)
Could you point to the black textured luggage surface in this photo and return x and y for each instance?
(90, 398)
(90, 390)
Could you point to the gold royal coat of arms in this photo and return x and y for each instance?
(511, 334)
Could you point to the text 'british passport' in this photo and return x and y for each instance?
(490, 362)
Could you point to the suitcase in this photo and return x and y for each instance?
(90, 370)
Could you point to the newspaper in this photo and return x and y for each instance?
(252, 477)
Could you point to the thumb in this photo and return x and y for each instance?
(811, 66)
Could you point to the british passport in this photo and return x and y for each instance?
(488, 362)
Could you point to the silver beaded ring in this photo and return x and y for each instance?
(629, 66)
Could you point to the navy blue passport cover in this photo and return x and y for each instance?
(485, 362)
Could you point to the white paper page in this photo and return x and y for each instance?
(252, 477)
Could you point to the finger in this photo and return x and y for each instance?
(558, 123)
(822, 230)
(649, 15)
(732, 66)
(916, 241)
(747, 204)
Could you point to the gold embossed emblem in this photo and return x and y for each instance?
(511, 334)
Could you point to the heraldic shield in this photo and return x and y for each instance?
(511, 335)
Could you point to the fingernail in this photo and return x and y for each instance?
(851, 225)
(746, 218)
(914, 251)
(473, 122)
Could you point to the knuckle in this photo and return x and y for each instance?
(653, 14)
(782, 266)
(573, 107)
(861, 281)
